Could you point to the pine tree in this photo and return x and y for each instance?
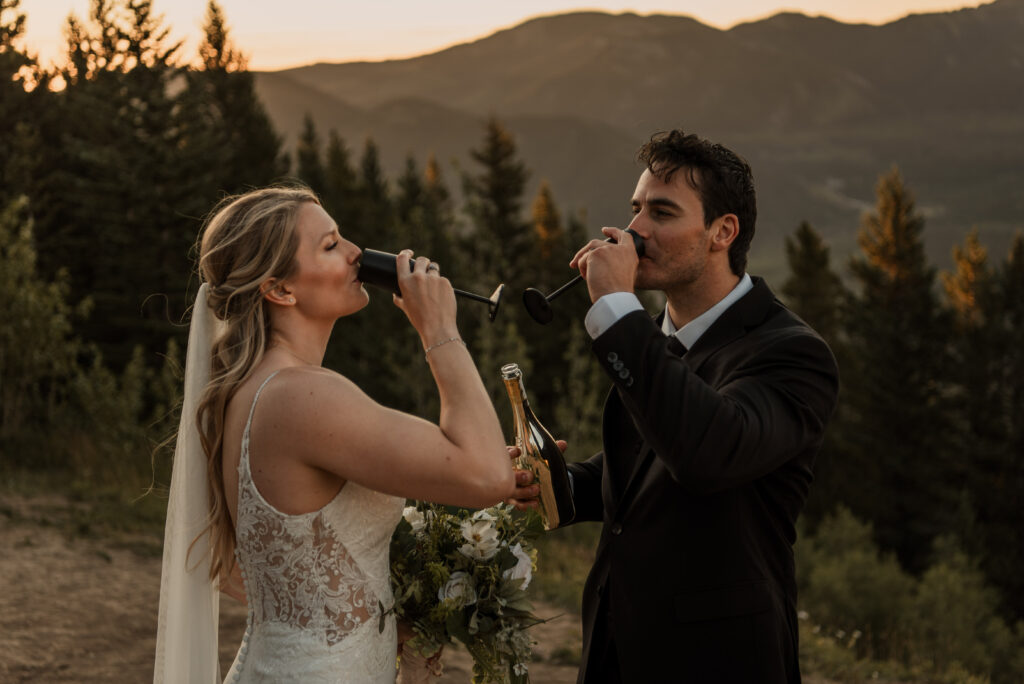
(340, 195)
(25, 104)
(970, 284)
(441, 226)
(546, 270)
(12, 30)
(116, 206)
(581, 390)
(233, 140)
(1011, 315)
(411, 193)
(990, 358)
(580, 384)
(815, 292)
(500, 248)
(423, 227)
(438, 227)
(309, 157)
(13, 98)
(547, 225)
(377, 229)
(907, 476)
(492, 251)
(424, 218)
(439, 222)
(976, 365)
(500, 243)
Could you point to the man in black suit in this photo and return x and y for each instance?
(710, 434)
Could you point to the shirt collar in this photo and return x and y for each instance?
(691, 332)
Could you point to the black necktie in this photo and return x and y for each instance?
(675, 346)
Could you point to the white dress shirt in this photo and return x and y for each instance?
(611, 307)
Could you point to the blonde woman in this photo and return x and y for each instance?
(288, 479)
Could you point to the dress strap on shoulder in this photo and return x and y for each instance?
(252, 409)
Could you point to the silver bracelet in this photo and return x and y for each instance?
(442, 342)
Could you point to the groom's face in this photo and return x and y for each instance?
(669, 216)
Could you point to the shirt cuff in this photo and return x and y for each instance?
(609, 309)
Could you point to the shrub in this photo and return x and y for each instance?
(955, 616)
(863, 617)
(849, 587)
(37, 349)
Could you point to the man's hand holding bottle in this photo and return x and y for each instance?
(527, 492)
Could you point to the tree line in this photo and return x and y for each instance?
(110, 162)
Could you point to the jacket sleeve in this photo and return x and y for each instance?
(586, 488)
(771, 400)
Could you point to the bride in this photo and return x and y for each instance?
(288, 479)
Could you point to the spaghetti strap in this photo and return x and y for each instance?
(252, 410)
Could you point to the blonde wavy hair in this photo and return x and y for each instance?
(247, 239)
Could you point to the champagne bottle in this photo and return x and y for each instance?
(539, 454)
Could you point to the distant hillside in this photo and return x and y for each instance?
(820, 108)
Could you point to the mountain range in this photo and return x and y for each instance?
(818, 107)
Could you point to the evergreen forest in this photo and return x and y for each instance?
(911, 556)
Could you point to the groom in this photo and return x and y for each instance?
(710, 434)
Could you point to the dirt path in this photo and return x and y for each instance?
(83, 610)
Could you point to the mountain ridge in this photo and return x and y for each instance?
(819, 107)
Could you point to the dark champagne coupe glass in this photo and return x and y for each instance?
(538, 305)
(380, 269)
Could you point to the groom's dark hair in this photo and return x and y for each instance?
(722, 179)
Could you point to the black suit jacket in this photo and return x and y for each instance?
(706, 464)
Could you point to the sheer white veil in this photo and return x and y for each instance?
(186, 637)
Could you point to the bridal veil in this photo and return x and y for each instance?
(186, 641)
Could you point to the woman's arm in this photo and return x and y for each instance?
(328, 422)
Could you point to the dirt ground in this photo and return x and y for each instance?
(83, 609)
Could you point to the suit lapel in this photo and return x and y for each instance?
(746, 313)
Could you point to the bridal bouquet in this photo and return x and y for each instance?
(463, 575)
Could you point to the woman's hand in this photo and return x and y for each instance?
(428, 299)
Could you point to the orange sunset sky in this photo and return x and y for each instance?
(345, 30)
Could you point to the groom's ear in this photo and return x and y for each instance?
(724, 231)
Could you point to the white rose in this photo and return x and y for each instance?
(459, 588)
(414, 517)
(482, 537)
(523, 569)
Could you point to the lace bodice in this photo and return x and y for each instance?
(315, 585)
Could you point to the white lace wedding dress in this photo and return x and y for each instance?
(315, 585)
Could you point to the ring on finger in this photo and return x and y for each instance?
(432, 266)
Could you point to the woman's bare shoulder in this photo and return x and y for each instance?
(304, 387)
(319, 417)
